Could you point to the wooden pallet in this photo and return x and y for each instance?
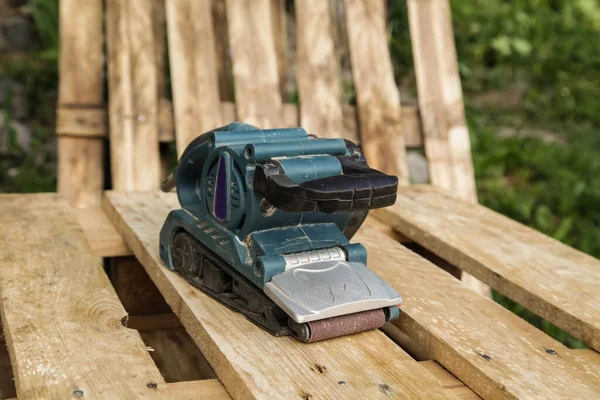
(65, 328)
(213, 44)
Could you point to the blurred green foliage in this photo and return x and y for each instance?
(37, 70)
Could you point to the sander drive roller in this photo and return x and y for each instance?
(340, 326)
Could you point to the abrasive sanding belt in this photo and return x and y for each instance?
(346, 325)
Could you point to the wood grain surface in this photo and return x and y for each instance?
(446, 136)
(61, 317)
(377, 97)
(318, 72)
(446, 139)
(193, 69)
(493, 351)
(133, 95)
(551, 279)
(368, 365)
(100, 233)
(254, 58)
(80, 160)
(449, 382)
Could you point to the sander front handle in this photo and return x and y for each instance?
(360, 188)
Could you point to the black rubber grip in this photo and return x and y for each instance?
(359, 188)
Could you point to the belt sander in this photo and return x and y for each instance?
(265, 225)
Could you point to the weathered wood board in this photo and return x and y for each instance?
(80, 179)
(318, 72)
(369, 365)
(551, 279)
(133, 95)
(193, 69)
(377, 98)
(254, 59)
(61, 317)
(493, 351)
(101, 234)
(446, 138)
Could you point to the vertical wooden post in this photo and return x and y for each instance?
(446, 136)
(377, 97)
(318, 71)
(133, 98)
(445, 131)
(81, 113)
(257, 89)
(194, 76)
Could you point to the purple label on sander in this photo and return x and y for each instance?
(221, 202)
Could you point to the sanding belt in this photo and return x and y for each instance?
(346, 325)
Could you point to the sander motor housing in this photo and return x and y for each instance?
(265, 225)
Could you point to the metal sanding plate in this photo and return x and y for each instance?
(327, 289)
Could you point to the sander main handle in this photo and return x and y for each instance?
(359, 188)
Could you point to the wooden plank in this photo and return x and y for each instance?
(211, 389)
(290, 116)
(318, 72)
(62, 319)
(551, 279)
(440, 98)
(449, 382)
(133, 96)
(411, 124)
(589, 356)
(369, 365)
(100, 233)
(193, 69)
(446, 136)
(80, 179)
(493, 351)
(82, 122)
(81, 170)
(254, 58)
(377, 97)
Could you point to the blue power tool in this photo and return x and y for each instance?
(264, 226)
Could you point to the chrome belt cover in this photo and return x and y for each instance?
(327, 289)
